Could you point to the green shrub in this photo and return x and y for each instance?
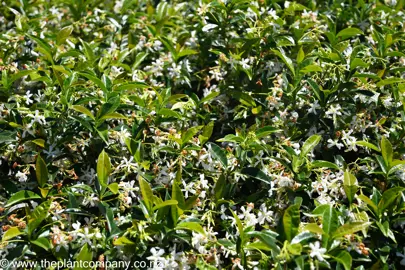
(226, 134)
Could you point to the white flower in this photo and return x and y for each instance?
(28, 99)
(22, 177)
(203, 181)
(115, 71)
(264, 215)
(245, 63)
(334, 110)
(86, 237)
(188, 188)
(387, 102)
(92, 200)
(174, 71)
(40, 119)
(332, 143)
(314, 106)
(127, 164)
(157, 45)
(123, 134)
(273, 14)
(52, 152)
(317, 251)
(156, 257)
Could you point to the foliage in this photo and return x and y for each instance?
(225, 134)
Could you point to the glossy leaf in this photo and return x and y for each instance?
(103, 168)
(41, 171)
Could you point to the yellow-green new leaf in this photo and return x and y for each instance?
(41, 171)
(83, 110)
(11, 233)
(147, 193)
(85, 255)
(191, 226)
(103, 168)
(350, 185)
(350, 228)
(386, 151)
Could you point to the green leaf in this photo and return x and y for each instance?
(185, 52)
(103, 168)
(291, 221)
(300, 55)
(285, 59)
(239, 225)
(350, 228)
(350, 185)
(122, 241)
(368, 145)
(257, 174)
(209, 97)
(330, 221)
(202, 265)
(302, 237)
(165, 203)
(41, 171)
(39, 142)
(186, 136)
(83, 110)
(113, 115)
(385, 229)
(324, 164)
(20, 74)
(38, 215)
(63, 34)
(317, 91)
(109, 107)
(114, 187)
(314, 228)
(8, 136)
(11, 233)
(219, 189)
(42, 242)
(190, 202)
(108, 213)
(147, 193)
(206, 133)
(95, 80)
(390, 81)
(177, 195)
(311, 68)
(131, 86)
(357, 62)
(88, 52)
(268, 238)
(382, 164)
(43, 47)
(20, 196)
(370, 203)
(310, 144)
(85, 255)
(345, 259)
(349, 32)
(388, 197)
(219, 155)
(265, 131)
(294, 249)
(191, 226)
(169, 113)
(386, 151)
